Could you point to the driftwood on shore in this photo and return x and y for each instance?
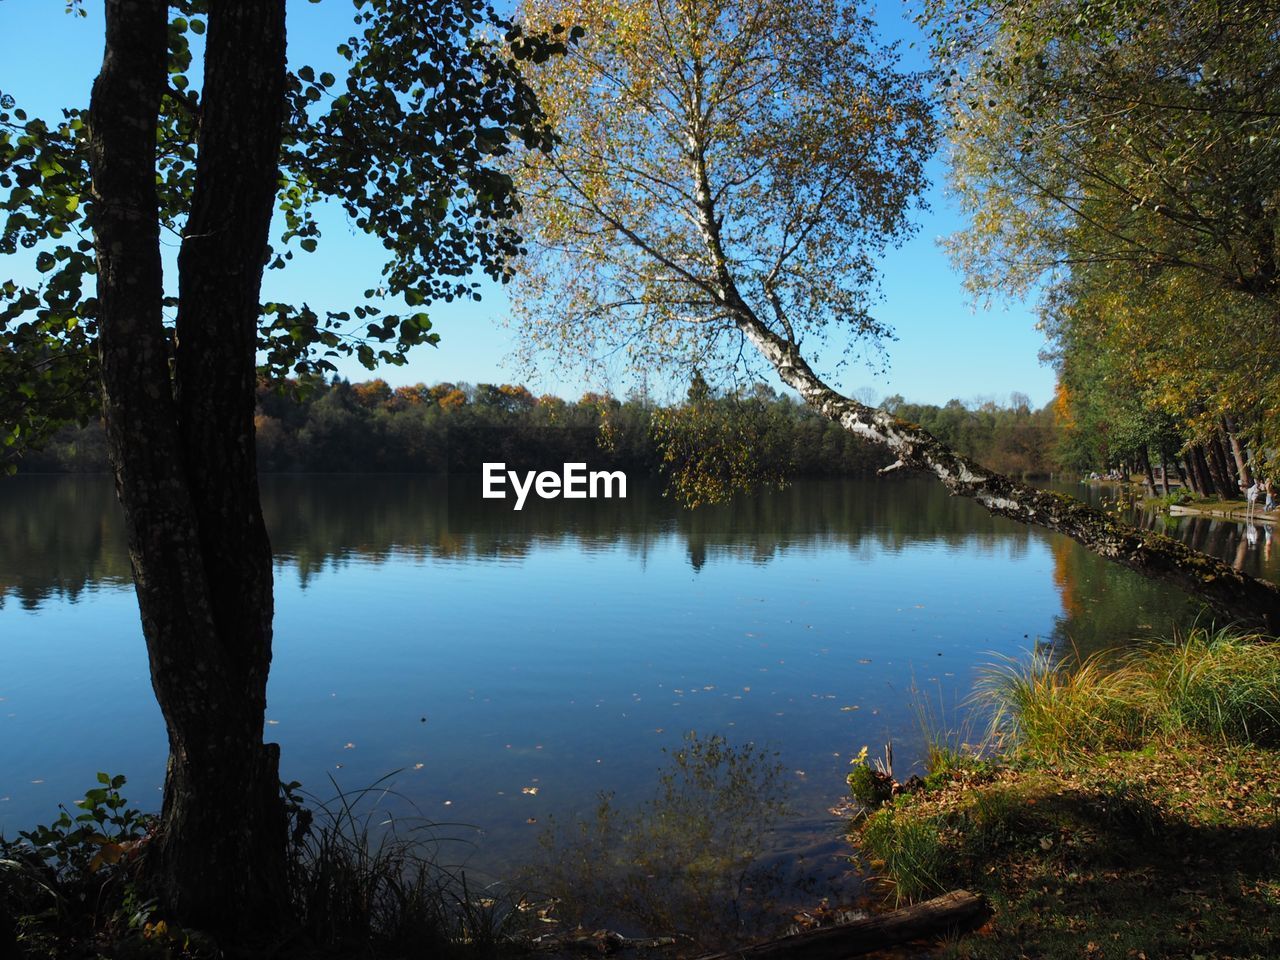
(956, 912)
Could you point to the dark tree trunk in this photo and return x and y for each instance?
(1200, 464)
(1164, 472)
(184, 457)
(1150, 477)
(1223, 475)
(1190, 480)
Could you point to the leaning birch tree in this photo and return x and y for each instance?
(728, 172)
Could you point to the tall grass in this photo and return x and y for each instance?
(910, 849)
(1052, 707)
(1221, 684)
(952, 741)
(361, 878)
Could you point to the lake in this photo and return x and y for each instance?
(505, 668)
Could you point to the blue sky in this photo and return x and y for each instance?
(945, 349)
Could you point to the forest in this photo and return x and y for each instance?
(334, 426)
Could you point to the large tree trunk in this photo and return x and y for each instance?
(1223, 476)
(1146, 471)
(184, 460)
(1239, 597)
(1238, 453)
(1200, 463)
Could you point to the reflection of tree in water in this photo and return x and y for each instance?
(691, 860)
(327, 521)
(58, 537)
(61, 534)
(1104, 604)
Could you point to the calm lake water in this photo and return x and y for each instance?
(511, 666)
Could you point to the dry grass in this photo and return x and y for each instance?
(1218, 684)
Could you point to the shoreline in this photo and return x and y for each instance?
(1224, 510)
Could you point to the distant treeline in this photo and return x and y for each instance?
(341, 427)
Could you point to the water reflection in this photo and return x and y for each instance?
(690, 859)
(479, 650)
(59, 536)
(62, 535)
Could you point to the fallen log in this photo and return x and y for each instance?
(956, 912)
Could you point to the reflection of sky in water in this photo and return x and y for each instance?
(491, 658)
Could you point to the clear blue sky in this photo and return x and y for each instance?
(945, 349)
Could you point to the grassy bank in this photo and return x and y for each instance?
(1125, 809)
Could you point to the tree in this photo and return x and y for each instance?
(1123, 159)
(408, 150)
(1111, 131)
(727, 174)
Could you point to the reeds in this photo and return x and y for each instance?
(362, 877)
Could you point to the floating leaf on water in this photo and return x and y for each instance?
(532, 791)
(852, 707)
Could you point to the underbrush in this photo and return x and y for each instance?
(361, 883)
(1130, 809)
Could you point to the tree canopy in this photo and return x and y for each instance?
(1111, 131)
(408, 145)
(1122, 161)
(781, 126)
